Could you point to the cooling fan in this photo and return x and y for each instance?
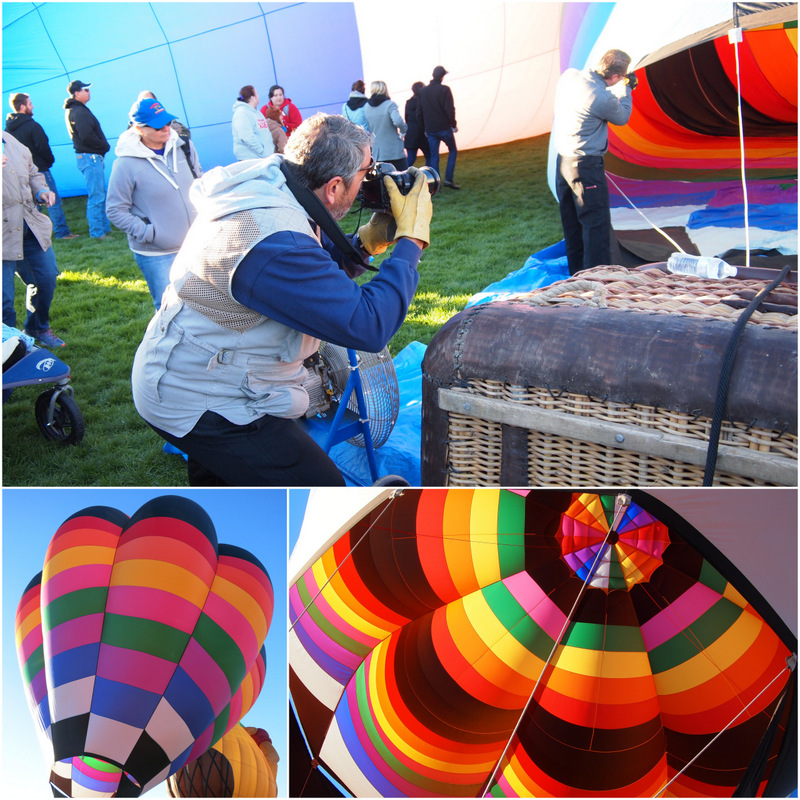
(379, 384)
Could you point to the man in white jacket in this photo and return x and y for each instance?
(148, 192)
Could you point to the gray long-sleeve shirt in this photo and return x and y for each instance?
(584, 105)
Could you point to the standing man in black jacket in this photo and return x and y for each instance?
(21, 125)
(90, 146)
(437, 115)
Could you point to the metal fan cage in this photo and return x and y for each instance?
(379, 382)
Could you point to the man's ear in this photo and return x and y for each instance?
(332, 190)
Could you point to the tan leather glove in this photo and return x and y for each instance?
(378, 233)
(412, 212)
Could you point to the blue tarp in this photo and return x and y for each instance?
(401, 453)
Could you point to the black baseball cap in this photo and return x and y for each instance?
(76, 86)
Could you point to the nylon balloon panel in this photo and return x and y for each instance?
(148, 646)
(684, 118)
(235, 766)
(444, 646)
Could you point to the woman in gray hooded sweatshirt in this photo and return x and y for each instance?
(148, 191)
(252, 137)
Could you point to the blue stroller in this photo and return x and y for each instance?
(25, 364)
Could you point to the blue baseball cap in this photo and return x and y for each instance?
(151, 113)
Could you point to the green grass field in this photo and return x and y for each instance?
(503, 213)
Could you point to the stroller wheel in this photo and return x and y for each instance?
(67, 424)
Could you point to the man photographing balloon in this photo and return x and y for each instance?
(264, 274)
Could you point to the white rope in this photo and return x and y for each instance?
(311, 602)
(623, 501)
(649, 222)
(741, 149)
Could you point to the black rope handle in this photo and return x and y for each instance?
(725, 376)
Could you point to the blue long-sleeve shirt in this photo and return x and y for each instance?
(289, 278)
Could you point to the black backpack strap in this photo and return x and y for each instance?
(314, 208)
(187, 151)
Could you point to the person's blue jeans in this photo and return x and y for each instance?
(156, 272)
(434, 139)
(91, 167)
(56, 211)
(38, 271)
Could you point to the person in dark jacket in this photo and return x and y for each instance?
(90, 146)
(22, 126)
(437, 114)
(415, 138)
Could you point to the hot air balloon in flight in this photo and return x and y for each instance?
(242, 763)
(140, 644)
(503, 643)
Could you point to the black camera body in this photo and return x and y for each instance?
(373, 194)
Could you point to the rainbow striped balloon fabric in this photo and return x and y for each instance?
(140, 644)
(525, 644)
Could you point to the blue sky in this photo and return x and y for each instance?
(255, 519)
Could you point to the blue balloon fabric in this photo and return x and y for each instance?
(193, 56)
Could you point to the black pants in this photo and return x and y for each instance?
(582, 191)
(271, 451)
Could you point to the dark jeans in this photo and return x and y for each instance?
(38, 271)
(411, 152)
(434, 139)
(271, 451)
(582, 192)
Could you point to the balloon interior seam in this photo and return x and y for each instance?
(141, 643)
(484, 642)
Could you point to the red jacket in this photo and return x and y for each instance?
(290, 116)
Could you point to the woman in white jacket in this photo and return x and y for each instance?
(148, 191)
(252, 137)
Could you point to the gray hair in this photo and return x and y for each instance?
(613, 62)
(324, 146)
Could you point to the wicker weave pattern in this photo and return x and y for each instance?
(475, 446)
(656, 292)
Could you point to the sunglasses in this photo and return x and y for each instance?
(368, 167)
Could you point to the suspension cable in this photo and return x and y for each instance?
(717, 735)
(622, 503)
(394, 496)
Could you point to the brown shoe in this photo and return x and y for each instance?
(69, 236)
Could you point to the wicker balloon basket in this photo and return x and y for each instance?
(611, 378)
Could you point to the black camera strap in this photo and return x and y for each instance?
(317, 211)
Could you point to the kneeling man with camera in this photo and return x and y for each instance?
(263, 275)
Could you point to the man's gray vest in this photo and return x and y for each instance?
(205, 351)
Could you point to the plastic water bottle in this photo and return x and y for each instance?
(702, 266)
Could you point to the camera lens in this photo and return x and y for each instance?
(433, 179)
